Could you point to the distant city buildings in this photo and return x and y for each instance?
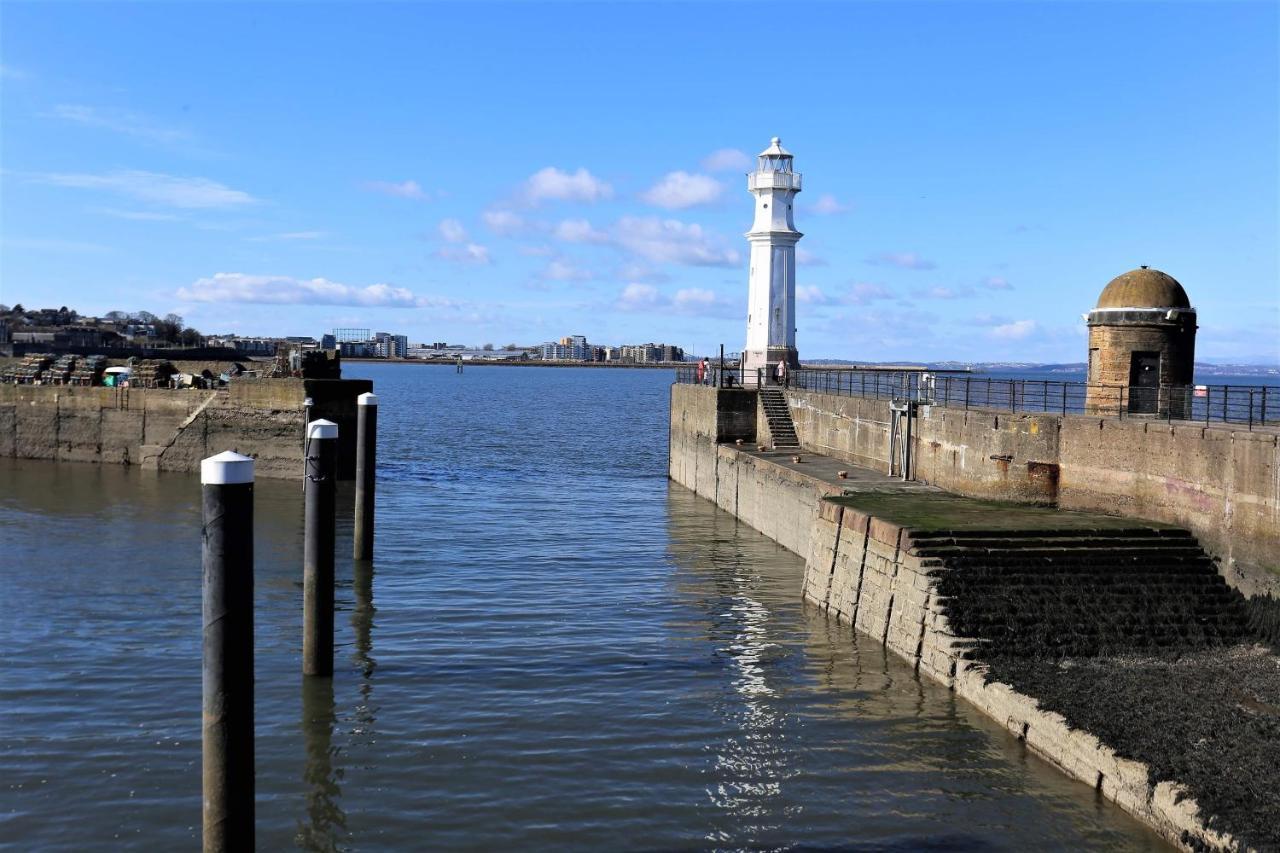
(576, 348)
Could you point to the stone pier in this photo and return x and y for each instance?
(990, 596)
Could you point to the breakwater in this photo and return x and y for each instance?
(172, 430)
(1221, 483)
(993, 598)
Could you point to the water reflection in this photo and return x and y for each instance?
(750, 763)
(362, 615)
(326, 822)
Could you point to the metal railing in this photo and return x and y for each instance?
(1246, 405)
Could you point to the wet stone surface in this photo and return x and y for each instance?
(1209, 720)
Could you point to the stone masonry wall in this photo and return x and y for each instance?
(166, 429)
(864, 571)
(1221, 483)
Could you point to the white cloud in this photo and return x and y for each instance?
(679, 190)
(116, 121)
(699, 301)
(471, 253)
(505, 223)
(903, 260)
(537, 251)
(806, 258)
(8, 72)
(726, 160)
(552, 184)
(671, 241)
(995, 282)
(402, 189)
(635, 271)
(944, 293)
(866, 292)
(562, 270)
(451, 231)
(284, 290)
(827, 205)
(137, 215)
(579, 231)
(1015, 331)
(289, 237)
(155, 188)
(810, 294)
(636, 296)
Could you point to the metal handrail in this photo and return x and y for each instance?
(1247, 405)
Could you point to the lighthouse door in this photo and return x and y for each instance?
(1144, 383)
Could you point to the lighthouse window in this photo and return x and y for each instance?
(766, 204)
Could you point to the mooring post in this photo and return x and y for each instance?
(366, 473)
(227, 667)
(317, 560)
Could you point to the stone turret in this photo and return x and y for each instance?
(1142, 343)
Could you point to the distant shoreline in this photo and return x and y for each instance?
(439, 362)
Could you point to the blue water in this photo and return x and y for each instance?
(556, 650)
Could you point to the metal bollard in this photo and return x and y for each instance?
(317, 561)
(366, 473)
(227, 667)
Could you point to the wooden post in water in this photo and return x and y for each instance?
(366, 473)
(317, 559)
(227, 667)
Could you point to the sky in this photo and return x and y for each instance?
(974, 173)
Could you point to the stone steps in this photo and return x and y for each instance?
(778, 415)
(1064, 593)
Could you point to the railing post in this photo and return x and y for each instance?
(1226, 394)
(1013, 398)
(1264, 404)
(1250, 408)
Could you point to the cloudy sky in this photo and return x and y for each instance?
(974, 173)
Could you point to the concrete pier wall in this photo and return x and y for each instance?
(1221, 483)
(872, 574)
(171, 430)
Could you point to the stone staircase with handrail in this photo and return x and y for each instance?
(778, 414)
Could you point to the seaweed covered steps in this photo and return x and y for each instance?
(1081, 593)
(1111, 646)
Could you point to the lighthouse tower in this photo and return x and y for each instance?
(771, 303)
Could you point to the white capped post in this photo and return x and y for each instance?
(320, 496)
(227, 651)
(771, 298)
(366, 474)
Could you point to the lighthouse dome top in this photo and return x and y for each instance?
(775, 149)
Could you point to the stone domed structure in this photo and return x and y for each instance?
(1142, 341)
(1143, 288)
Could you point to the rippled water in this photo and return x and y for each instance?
(556, 649)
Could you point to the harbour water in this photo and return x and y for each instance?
(555, 649)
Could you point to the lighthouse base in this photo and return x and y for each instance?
(763, 362)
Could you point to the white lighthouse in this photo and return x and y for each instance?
(771, 302)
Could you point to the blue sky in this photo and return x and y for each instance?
(974, 173)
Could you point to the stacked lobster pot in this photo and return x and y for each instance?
(30, 370)
(152, 373)
(59, 373)
(89, 370)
